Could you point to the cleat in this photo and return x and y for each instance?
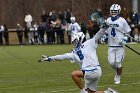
(110, 90)
(83, 91)
(117, 80)
(115, 77)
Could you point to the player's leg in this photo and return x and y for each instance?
(119, 72)
(76, 76)
(91, 81)
(111, 60)
(119, 59)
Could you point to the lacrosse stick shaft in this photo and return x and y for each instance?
(132, 49)
(127, 46)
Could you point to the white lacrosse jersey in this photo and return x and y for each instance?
(85, 54)
(1, 28)
(74, 28)
(113, 35)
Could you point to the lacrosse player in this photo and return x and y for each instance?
(116, 39)
(85, 55)
(74, 27)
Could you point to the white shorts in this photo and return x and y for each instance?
(92, 78)
(116, 54)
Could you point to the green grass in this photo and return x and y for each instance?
(20, 72)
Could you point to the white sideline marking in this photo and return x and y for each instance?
(57, 91)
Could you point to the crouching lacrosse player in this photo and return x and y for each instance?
(85, 55)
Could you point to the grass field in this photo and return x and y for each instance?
(21, 73)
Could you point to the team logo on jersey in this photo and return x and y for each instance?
(114, 25)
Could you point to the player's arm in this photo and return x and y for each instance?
(126, 27)
(78, 27)
(99, 34)
(67, 56)
(69, 28)
(93, 42)
(126, 32)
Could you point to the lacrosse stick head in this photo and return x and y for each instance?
(95, 16)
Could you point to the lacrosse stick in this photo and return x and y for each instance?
(132, 49)
(121, 42)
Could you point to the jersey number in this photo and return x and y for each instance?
(79, 53)
(73, 28)
(113, 33)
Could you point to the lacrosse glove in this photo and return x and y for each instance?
(124, 40)
(105, 25)
(44, 58)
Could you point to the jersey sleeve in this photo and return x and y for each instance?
(93, 42)
(127, 28)
(78, 27)
(67, 56)
(1, 28)
(99, 34)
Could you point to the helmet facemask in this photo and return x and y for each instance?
(114, 13)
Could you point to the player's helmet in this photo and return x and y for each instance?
(115, 10)
(72, 19)
(78, 37)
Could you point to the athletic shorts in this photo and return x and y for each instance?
(92, 78)
(116, 54)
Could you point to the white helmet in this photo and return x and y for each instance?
(72, 19)
(115, 9)
(78, 36)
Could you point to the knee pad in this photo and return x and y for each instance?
(118, 64)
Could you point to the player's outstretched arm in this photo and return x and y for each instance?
(67, 56)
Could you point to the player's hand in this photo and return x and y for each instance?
(39, 61)
(104, 39)
(44, 58)
(124, 40)
(105, 25)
